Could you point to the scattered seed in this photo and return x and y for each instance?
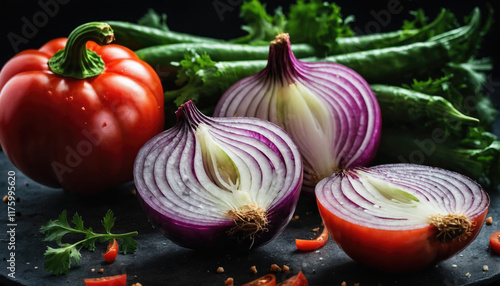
(220, 270)
(229, 282)
(137, 284)
(36, 267)
(295, 218)
(101, 271)
(485, 268)
(343, 283)
(286, 268)
(253, 269)
(356, 284)
(454, 265)
(489, 221)
(93, 269)
(5, 199)
(316, 229)
(133, 192)
(275, 268)
(468, 274)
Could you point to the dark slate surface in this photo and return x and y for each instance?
(160, 262)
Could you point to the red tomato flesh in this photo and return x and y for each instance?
(394, 250)
(495, 242)
(296, 280)
(117, 280)
(266, 280)
(308, 245)
(112, 251)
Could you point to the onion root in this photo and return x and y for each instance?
(249, 220)
(452, 226)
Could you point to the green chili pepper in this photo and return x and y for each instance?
(135, 36)
(401, 105)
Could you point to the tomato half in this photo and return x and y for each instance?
(296, 280)
(266, 280)
(394, 250)
(116, 280)
(495, 242)
(308, 245)
(111, 252)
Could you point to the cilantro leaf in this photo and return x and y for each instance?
(55, 230)
(108, 221)
(129, 245)
(58, 260)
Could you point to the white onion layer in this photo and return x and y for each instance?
(399, 196)
(194, 174)
(328, 109)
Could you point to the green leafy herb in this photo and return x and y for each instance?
(58, 260)
(321, 17)
(154, 20)
(261, 26)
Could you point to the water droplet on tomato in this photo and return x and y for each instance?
(83, 108)
(69, 98)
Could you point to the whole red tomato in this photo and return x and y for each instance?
(79, 123)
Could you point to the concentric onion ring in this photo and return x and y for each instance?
(401, 217)
(219, 182)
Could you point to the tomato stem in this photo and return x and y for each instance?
(75, 60)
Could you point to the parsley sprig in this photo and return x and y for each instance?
(58, 260)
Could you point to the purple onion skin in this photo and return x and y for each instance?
(213, 236)
(355, 145)
(216, 238)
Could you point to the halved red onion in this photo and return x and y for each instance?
(329, 110)
(211, 183)
(401, 217)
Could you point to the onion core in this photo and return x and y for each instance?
(213, 183)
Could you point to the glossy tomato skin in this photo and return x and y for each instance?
(394, 251)
(111, 251)
(116, 280)
(495, 242)
(82, 135)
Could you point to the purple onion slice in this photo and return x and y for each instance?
(401, 217)
(328, 109)
(212, 183)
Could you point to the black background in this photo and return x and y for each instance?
(200, 17)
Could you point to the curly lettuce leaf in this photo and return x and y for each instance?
(261, 26)
(317, 23)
